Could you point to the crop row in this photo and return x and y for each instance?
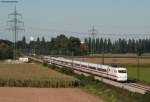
(40, 84)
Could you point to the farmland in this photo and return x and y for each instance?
(144, 73)
(126, 61)
(113, 60)
(45, 95)
(33, 75)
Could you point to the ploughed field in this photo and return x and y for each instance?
(33, 75)
(45, 95)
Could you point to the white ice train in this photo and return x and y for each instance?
(114, 73)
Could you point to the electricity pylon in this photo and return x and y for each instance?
(15, 27)
(93, 32)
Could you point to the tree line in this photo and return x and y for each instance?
(62, 45)
(122, 46)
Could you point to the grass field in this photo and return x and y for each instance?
(33, 75)
(129, 63)
(143, 76)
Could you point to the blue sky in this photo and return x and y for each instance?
(53, 17)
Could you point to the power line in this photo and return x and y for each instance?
(93, 32)
(10, 1)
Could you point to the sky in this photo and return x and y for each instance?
(49, 18)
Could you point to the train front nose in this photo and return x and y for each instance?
(122, 77)
(122, 74)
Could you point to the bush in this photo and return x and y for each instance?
(45, 64)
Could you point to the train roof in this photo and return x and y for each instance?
(88, 63)
(121, 68)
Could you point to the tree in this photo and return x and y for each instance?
(24, 44)
(84, 49)
(105, 45)
(43, 40)
(90, 45)
(130, 46)
(101, 45)
(43, 46)
(74, 45)
(109, 46)
(97, 45)
(6, 52)
(59, 45)
(93, 46)
(123, 46)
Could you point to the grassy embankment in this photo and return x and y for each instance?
(107, 92)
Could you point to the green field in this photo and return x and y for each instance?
(144, 73)
(33, 75)
(128, 61)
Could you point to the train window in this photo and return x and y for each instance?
(77, 64)
(66, 63)
(92, 67)
(122, 71)
(104, 70)
(83, 66)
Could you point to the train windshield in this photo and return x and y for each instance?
(122, 71)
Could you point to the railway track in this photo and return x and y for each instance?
(139, 86)
(131, 86)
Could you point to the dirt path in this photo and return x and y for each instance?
(45, 95)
